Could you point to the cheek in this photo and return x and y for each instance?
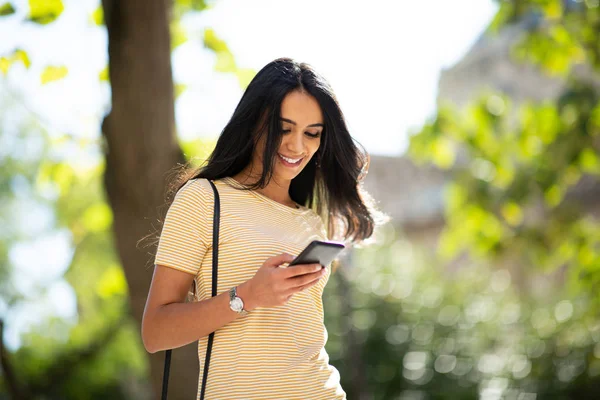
(316, 145)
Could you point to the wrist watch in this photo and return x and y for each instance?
(236, 303)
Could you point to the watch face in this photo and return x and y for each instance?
(236, 304)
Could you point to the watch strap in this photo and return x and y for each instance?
(232, 296)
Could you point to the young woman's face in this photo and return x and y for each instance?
(302, 127)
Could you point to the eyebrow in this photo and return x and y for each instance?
(294, 123)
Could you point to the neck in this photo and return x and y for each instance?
(276, 189)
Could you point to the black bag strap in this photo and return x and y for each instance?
(211, 337)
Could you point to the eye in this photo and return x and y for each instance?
(284, 131)
(313, 135)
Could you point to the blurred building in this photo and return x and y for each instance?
(411, 195)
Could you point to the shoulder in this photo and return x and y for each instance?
(195, 192)
(197, 187)
(313, 215)
(318, 223)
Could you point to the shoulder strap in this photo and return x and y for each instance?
(215, 264)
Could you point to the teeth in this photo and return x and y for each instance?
(290, 160)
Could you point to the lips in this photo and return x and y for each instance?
(291, 162)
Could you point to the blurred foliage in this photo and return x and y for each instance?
(16, 55)
(98, 353)
(526, 176)
(6, 9)
(428, 332)
(522, 202)
(52, 73)
(563, 33)
(97, 17)
(197, 151)
(225, 60)
(519, 190)
(43, 12)
(182, 7)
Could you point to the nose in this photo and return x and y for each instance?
(295, 144)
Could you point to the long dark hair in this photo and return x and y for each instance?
(329, 183)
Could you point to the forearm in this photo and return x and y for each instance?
(177, 324)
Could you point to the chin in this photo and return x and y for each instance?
(281, 173)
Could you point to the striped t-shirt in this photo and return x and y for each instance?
(273, 352)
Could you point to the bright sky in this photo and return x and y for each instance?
(383, 59)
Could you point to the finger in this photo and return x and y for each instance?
(279, 259)
(303, 287)
(308, 286)
(305, 279)
(302, 269)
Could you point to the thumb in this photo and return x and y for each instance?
(282, 258)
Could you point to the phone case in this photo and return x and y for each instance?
(319, 252)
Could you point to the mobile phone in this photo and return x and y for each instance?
(318, 252)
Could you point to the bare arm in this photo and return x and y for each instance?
(169, 322)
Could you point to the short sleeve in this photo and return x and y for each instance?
(186, 230)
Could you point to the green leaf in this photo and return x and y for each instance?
(595, 120)
(6, 9)
(181, 7)
(5, 64)
(553, 9)
(179, 88)
(589, 162)
(195, 5)
(213, 42)
(97, 218)
(245, 75)
(225, 62)
(512, 213)
(504, 15)
(97, 16)
(554, 195)
(17, 55)
(112, 282)
(21, 55)
(52, 73)
(455, 196)
(178, 34)
(197, 151)
(104, 75)
(45, 11)
(443, 152)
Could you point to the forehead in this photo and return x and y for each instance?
(302, 108)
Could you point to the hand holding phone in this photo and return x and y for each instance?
(318, 252)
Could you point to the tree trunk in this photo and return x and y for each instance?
(140, 148)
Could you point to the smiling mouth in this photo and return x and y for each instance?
(291, 162)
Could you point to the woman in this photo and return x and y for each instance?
(285, 167)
